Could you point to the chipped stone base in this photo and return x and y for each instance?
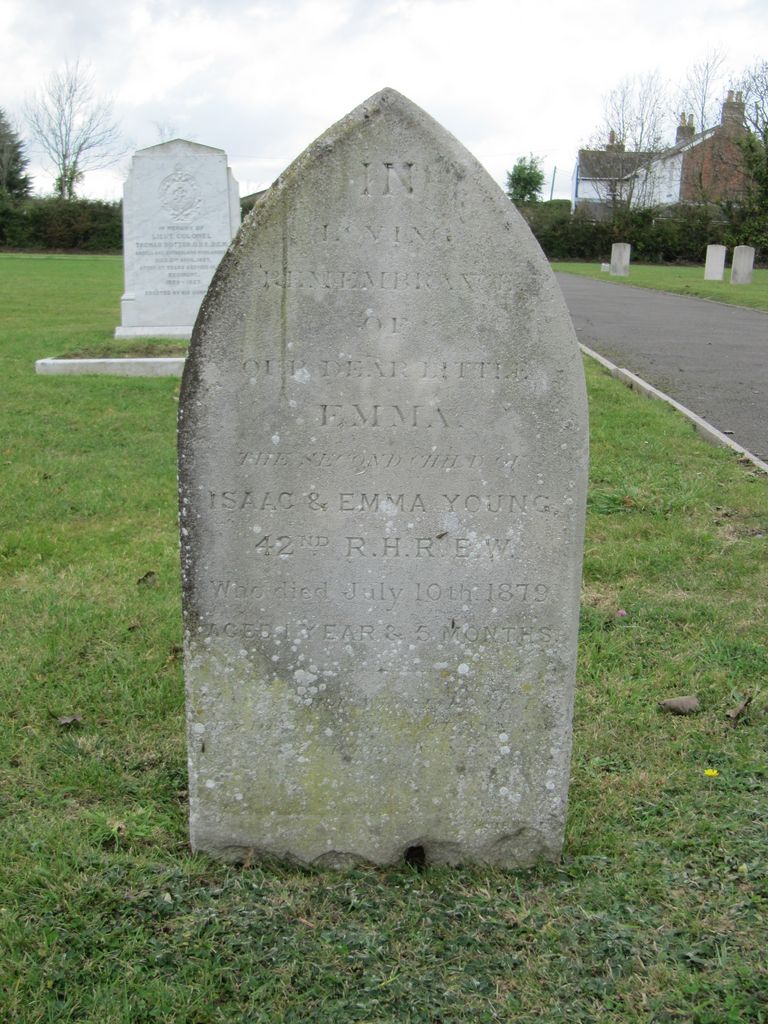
(523, 847)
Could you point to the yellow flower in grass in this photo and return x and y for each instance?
(712, 773)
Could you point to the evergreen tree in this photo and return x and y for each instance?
(14, 182)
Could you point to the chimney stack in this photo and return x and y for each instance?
(612, 146)
(685, 130)
(733, 113)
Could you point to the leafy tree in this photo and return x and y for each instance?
(74, 128)
(14, 182)
(525, 180)
(750, 217)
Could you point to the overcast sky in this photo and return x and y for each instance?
(262, 78)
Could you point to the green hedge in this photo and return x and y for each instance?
(675, 234)
(69, 225)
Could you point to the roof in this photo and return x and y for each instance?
(607, 164)
(611, 163)
(686, 144)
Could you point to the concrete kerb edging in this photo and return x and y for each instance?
(703, 428)
(139, 366)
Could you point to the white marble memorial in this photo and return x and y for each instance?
(382, 462)
(620, 253)
(181, 209)
(715, 263)
(743, 262)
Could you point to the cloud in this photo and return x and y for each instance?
(261, 78)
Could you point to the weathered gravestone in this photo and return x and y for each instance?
(181, 209)
(620, 253)
(715, 263)
(383, 448)
(743, 262)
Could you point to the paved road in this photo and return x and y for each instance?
(709, 356)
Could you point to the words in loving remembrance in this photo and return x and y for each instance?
(443, 525)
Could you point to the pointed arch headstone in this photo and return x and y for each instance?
(382, 458)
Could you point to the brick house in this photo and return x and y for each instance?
(701, 167)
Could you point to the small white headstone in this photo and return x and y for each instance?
(715, 264)
(620, 252)
(743, 262)
(382, 462)
(605, 267)
(181, 209)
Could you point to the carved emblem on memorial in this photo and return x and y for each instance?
(180, 195)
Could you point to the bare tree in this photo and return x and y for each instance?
(754, 86)
(73, 127)
(634, 125)
(636, 111)
(702, 90)
(166, 131)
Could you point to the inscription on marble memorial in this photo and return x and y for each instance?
(180, 259)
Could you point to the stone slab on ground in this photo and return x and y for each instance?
(137, 366)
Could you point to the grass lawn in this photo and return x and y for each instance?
(52, 280)
(682, 281)
(658, 912)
